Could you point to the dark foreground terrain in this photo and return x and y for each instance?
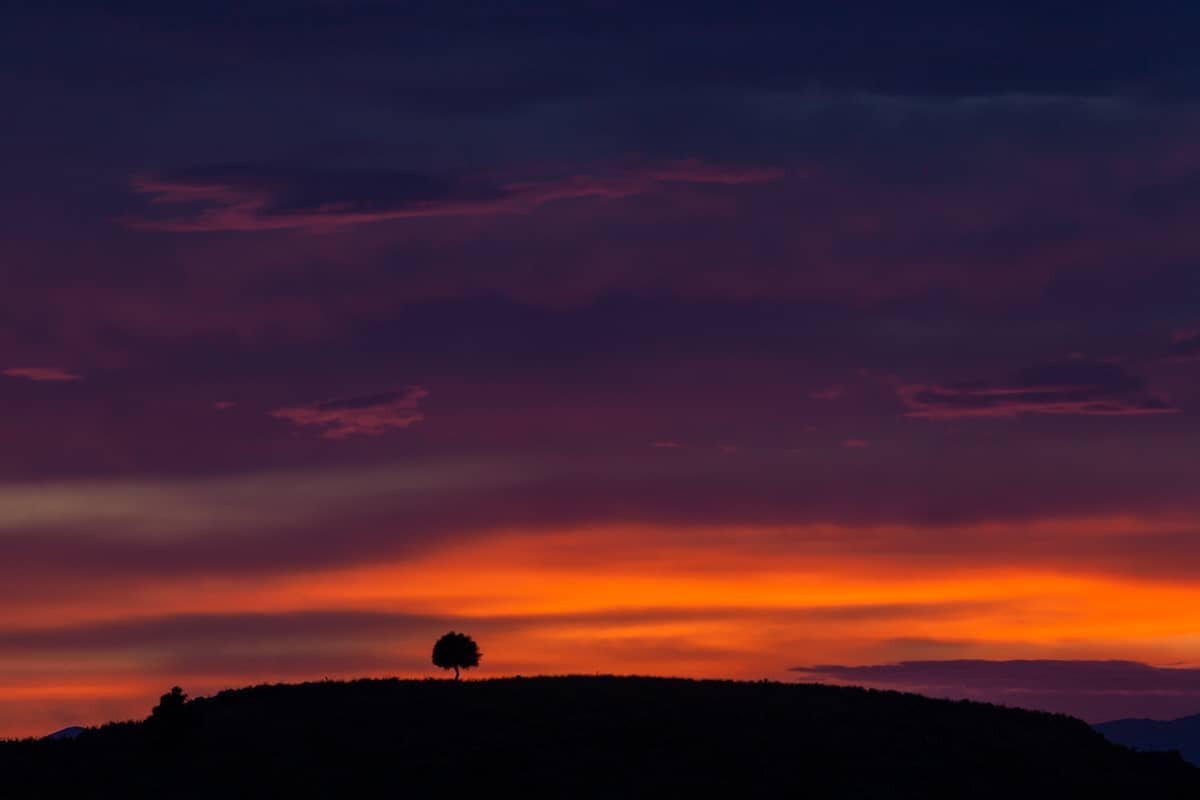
(588, 737)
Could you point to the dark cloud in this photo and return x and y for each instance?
(1095, 690)
(1038, 511)
(1068, 387)
(846, 222)
(1185, 346)
(251, 199)
(540, 51)
(849, 228)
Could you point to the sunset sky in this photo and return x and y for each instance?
(716, 340)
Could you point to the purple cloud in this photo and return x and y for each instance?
(1081, 387)
(240, 198)
(828, 393)
(1185, 346)
(371, 415)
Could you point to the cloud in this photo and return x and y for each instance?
(1137, 517)
(855, 229)
(828, 393)
(41, 374)
(855, 443)
(174, 510)
(370, 415)
(263, 522)
(1090, 388)
(246, 198)
(665, 444)
(223, 405)
(1095, 690)
(563, 50)
(1185, 346)
(206, 629)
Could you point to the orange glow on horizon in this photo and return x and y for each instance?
(733, 602)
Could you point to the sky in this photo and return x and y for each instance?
(854, 344)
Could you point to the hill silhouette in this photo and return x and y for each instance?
(588, 737)
(1181, 734)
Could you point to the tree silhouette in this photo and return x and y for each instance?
(171, 718)
(171, 705)
(455, 651)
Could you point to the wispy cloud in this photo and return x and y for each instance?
(371, 415)
(41, 374)
(828, 393)
(246, 198)
(1185, 345)
(107, 512)
(1070, 387)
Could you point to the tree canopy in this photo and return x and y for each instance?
(456, 651)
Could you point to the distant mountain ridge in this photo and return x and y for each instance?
(588, 737)
(71, 732)
(1181, 734)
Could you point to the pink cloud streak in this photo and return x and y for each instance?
(369, 416)
(949, 402)
(42, 374)
(1077, 386)
(248, 202)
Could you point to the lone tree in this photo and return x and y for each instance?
(455, 651)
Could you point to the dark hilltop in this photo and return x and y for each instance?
(586, 737)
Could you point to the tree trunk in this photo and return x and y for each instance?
(456, 673)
